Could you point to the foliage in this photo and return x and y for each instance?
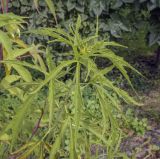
(64, 115)
(128, 22)
(8, 107)
(136, 37)
(13, 48)
(138, 125)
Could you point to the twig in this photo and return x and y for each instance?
(36, 127)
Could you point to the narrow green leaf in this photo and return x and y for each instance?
(49, 61)
(6, 41)
(51, 102)
(18, 119)
(10, 79)
(25, 64)
(56, 145)
(18, 52)
(22, 148)
(72, 143)
(77, 101)
(6, 84)
(23, 72)
(52, 8)
(112, 43)
(53, 74)
(29, 152)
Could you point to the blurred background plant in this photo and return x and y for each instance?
(116, 16)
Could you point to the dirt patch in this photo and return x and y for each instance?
(147, 146)
(151, 101)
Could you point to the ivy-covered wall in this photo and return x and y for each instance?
(126, 21)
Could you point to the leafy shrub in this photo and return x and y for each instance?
(64, 115)
(138, 125)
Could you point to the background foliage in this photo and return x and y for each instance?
(117, 18)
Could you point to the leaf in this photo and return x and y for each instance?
(51, 102)
(97, 134)
(97, 27)
(103, 71)
(49, 60)
(78, 24)
(10, 18)
(6, 41)
(23, 72)
(6, 84)
(56, 145)
(111, 43)
(18, 119)
(40, 62)
(97, 7)
(10, 79)
(5, 137)
(52, 8)
(77, 102)
(153, 38)
(18, 52)
(55, 33)
(117, 4)
(128, 99)
(53, 74)
(70, 5)
(29, 152)
(118, 62)
(77, 35)
(22, 148)
(72, 143)
(23, 63)
(36, 4)
(20, 43)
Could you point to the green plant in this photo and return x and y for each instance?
(138, 125)
(65, 116)
(13, 48)
(51, 6)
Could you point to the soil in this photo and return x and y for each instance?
(147, 146)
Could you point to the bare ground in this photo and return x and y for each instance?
(147, 146)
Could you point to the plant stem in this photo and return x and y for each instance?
(4, 6)
(1, 54)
